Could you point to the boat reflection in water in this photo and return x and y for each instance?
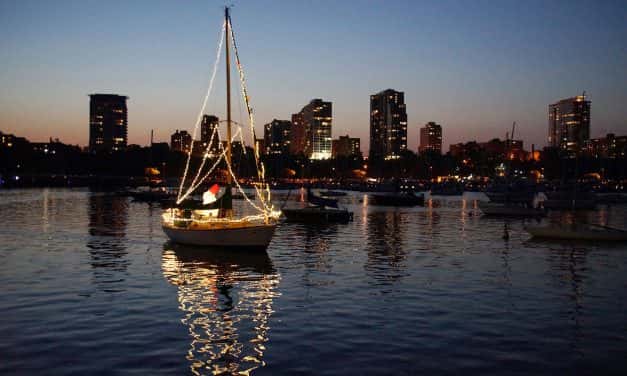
(107, 243)
(226, 298)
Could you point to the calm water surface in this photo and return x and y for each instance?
(90, 285)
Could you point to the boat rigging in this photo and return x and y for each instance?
(213, 222)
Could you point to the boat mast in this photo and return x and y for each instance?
(229, 211)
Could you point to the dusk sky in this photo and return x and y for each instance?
(472, 66)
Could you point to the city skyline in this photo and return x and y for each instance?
(472, 70)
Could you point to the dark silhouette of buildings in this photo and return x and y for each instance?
(388, 124)
(181, 141)
(496, 148)
(610, 146)
(569, 124)
(276, 137)
(346, 146)
(9, 141)
(207, 126)
(52, 163)
(317, 120)
(108, 123)
(53, 147)
(431, 138)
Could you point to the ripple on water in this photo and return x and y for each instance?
(90, 285)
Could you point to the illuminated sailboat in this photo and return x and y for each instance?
(214, 223)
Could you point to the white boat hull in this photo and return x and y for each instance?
(254, 236)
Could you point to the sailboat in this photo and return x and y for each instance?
(213, 223)
(511, 197)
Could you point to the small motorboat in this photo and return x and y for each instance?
(586, 232)
(396, 199)
(332, 193)
(510, 210)
(318, 210)
(318, 214)
(517, 191)
(447, 189)
(161, 194)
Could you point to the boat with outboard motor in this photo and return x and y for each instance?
(332, 193)
(318, 210)
(396, 199)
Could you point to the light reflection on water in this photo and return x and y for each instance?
(432, 289)
(227, 300)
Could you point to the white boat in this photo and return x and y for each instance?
(509, 210)
(245, 234)
(578, 232)
(214, 223)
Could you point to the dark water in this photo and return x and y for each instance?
(89, 285)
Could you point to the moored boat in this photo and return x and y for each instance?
(508, 191)
(213, 222)
(245, 234)
(332, 193)
(318, 210)
(396, 199)
(161, 194)
(510, 210)
(316, 214)
(447, 189)
(511, 197)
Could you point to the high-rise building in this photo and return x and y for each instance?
(108, 122)
(207, 126)
(569, 124)
(388, 124)
(276, 136)
(181, 141)
(317, 119)
(298, 135)
(346, 147)
(431, 138)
